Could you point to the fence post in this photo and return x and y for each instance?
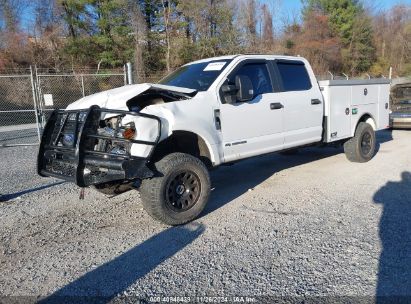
(37, 85)
(129, 73)
(82, 85)
(125, 74)
(36, 113)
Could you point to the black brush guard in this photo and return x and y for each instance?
(82, 163)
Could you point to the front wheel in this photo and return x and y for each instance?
(180, 191)
(361, 148)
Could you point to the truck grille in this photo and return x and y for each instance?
(72, 148)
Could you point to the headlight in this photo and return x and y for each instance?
(118, 150)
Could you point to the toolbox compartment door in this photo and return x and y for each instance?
(338, 113)
(383, 106)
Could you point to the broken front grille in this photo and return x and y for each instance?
(72, 148)
(67, 128)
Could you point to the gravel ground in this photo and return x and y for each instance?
(310, 224)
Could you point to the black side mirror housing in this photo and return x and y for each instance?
(229, 89)
(245, 88)
(229, 93)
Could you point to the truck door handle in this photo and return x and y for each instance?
(276, 106)
(217, 119)
(315, 101)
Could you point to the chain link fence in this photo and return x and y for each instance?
(18, 113)
(29, 96)
(57, 91)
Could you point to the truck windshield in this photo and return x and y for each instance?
(197, 76)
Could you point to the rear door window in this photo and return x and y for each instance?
(294, 76)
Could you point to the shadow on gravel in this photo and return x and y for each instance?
(11, 196)
(102, 284)
(233, 181)
(383, 136)
(394, 273)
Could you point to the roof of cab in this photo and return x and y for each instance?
(231, 57)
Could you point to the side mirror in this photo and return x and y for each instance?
(245, 88)
(229, 89)
(229, 92)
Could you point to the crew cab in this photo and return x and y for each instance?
(163, 138)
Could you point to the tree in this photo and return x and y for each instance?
(113, 37)
(212, 28)
(14, 43)
(268, 30)
(159, 35)
(99, 31)
(316, 42)
(139, 28)
(73, 13)
(352, 26)
(359, 56)
(251, 22)
(46, 34)
(392, 38)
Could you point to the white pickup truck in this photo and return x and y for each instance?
(162, 138)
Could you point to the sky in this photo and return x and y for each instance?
(290, 10)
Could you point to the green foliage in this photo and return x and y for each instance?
(341, 13)
(349, 23)
(99, 32)
(153, 54)
(406, 69)
(289, 44)
(380, 67)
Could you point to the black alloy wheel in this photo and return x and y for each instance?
(183, 191)
(179, 191)
(366, 143)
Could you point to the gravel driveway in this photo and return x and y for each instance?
(310, 224)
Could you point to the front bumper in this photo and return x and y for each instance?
(400, 120)
(82, 162)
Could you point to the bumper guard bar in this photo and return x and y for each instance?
(81, 162)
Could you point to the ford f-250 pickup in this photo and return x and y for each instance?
(162, 138)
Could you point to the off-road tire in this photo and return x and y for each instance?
(361, 148)
(156, 192)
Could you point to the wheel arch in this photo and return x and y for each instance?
(185, 142)
(367, 118)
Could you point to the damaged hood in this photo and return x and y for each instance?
(117, 98)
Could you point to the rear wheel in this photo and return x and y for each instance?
(361, 148)
(180, 192)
